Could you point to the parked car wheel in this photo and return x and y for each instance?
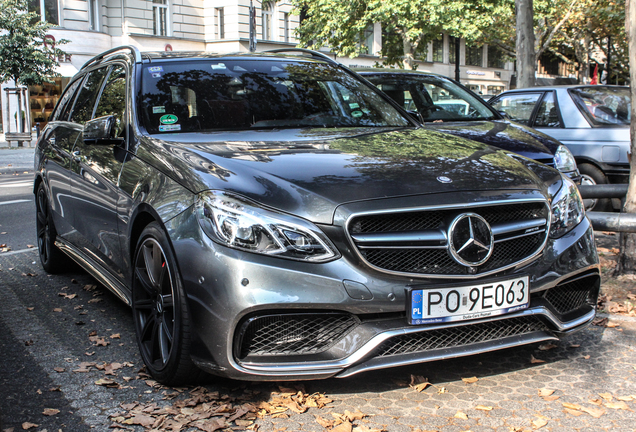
(591, 175)
(53, 259)
(160, 312)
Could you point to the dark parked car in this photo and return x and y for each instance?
(272, 216)
(447, 106)
(592, 120)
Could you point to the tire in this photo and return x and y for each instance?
(53, 260)
(160, 313)
(591, 175)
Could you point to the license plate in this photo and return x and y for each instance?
(439, 305)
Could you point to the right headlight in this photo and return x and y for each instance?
(567, 209)
(241, 224)
(564, 160)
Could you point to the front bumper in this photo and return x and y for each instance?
(341, 318)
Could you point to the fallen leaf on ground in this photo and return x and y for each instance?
(534, 360)
(57, 310)
(59, 369)
(28, 425)
(50, 411)
(617, 405)
(419, 383)
(548, 346)
(551, 398)
(573, 412)
(575, 345)
(107, 383)
(607, 396)
(594, 412)
(539, 423)
(115, 336)
(586, 357)
(626, 398)
(324, 422)
(461, 415)
(543, 392)
(483, 408)
(470, 380)
(343, 427)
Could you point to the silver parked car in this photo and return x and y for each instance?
(592, 120)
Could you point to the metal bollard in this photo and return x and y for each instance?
(615, 222)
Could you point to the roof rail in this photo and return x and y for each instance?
(314, 54)
(133, 50)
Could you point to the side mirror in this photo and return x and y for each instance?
(102, 131)
(416, 115)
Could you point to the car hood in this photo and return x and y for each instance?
(504, 134)
(311, 172)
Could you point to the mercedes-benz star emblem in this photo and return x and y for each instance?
(470, 239)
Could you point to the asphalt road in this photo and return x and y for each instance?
(51, 326)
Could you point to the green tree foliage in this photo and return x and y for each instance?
(408, 25)
(24, 56)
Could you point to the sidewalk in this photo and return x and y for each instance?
(16, 159)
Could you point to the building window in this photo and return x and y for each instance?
(496, 57)
(93, 15)
(367, 40)
(160, 17)
(219, 22)
(286, 27)
(451, 49)
(438, 49)
(266, 23)
(47, 9)
(475, 56)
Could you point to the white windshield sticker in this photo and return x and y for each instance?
(218, 66)
(169, 128)
(158, 110)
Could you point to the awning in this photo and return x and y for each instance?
(66, 69)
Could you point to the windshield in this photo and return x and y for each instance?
(212, 95)
(603, 105)
(433, 98)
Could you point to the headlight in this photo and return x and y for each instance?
(567, 209)
(243, 225)
(564, 160)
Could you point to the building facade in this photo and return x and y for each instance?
(94, 26)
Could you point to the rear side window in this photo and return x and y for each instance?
(548, 113)
(519, 106)
(83, 109)
(66, 102)
(603, 106)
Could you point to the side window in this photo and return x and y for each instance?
(66, 102)
(518, 106)
(548, 114)
(83, 109)
(113, 98)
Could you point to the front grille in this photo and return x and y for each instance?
(572, 295)
(460, 336)
(294, 334)
(433, 258)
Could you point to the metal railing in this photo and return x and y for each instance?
(609, 221)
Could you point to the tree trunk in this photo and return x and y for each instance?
(627, 255)
(409, 59)
(525, 44)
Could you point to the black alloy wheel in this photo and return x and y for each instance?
(159, 310)
(53, 259)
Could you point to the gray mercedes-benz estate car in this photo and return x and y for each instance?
(271, 216)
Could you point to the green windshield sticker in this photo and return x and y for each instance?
(354, 105)
(169, 119)
(356, 114)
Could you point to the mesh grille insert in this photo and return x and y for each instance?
(570, 296)
(460, 336)
(295, 334)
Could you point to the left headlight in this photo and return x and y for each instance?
(564, 160)
(241, 224)
(567, 209)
